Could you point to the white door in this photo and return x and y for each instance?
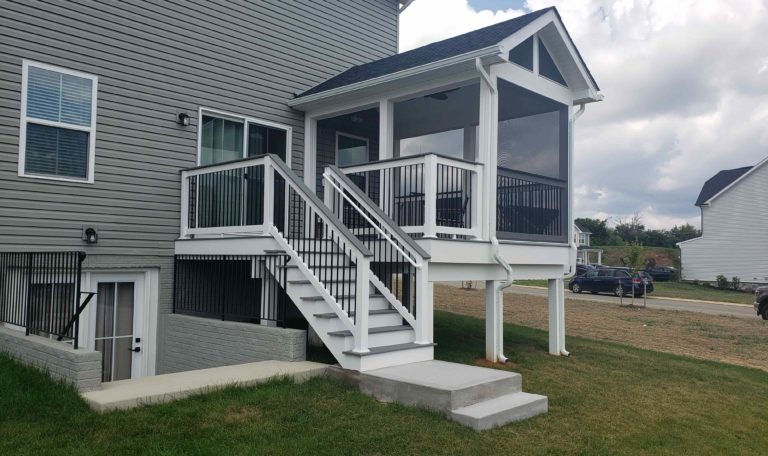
(116, 324)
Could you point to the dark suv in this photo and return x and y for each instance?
(618, 281)
(761, 302)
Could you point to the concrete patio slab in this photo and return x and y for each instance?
(127, 394)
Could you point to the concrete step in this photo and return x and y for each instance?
(500, 410)
(439, 385)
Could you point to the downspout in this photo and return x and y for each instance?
(574, 248)
(495, 245)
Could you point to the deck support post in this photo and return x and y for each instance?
(424, 307)
(556, 297)
(494, 322)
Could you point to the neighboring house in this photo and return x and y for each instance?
(585, 253)
(238, 172)
(734, 225)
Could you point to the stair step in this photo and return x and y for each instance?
(382, 329)
(320, 298)
(274, 252)
(307, 282)
(370, 312)
(500, 410)
(388, 349)
(293, 266)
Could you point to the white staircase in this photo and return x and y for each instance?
(390, 341)
(345, 284)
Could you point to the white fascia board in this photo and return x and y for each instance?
(490, 51)
(732, 184)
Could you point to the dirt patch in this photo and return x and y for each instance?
(717, 338)
(233, 415)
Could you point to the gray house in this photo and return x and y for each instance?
(196, 184)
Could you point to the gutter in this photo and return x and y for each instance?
(489, 51)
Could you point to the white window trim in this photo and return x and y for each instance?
(25, 64)
(347, 135)
(245, 120)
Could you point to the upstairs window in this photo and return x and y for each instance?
(58, 123)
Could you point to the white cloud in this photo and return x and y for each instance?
(686, 94)
(426, 21)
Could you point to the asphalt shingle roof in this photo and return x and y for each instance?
(718, 182)
(458, 45)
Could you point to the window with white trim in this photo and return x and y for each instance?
(58, 123)
(226, 137)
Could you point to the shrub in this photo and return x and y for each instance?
(722, 281)
(736, 283)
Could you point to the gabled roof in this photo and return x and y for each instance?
(719, 182)
(582, 229)
(441, 50)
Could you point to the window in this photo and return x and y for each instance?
(58, 123)
(351, 150)
(226, 137)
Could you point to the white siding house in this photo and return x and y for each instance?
(734, 222)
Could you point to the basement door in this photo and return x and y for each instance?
(116, 327)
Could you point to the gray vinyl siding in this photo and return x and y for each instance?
(734, 240)
(155, 59)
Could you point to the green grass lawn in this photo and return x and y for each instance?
(702, 292)
(604, 399)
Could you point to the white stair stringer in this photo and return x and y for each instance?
(390, 341)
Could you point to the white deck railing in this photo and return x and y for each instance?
(427, 195)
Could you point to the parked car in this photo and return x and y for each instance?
(582, 269)
(661, 273)
(761, 302)
(618, 281)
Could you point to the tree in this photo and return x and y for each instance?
(683, 233)
(635, 256)
(630, 230)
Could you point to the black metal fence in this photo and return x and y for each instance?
(248, 288)
(531, 207)
(40, 292)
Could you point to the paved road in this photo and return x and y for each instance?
(735, 310)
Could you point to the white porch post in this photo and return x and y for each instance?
(184, 206)
(430, 196)
(269, 199)
(386, 151)
(494, 322)
(362, 305)
(487, 139)
(556, 296)
(424, 307)
(310, 153)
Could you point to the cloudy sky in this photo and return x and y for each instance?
(685, 85)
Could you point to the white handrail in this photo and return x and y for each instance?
(386, 236)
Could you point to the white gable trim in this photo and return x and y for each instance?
(550, 17)
(734, 183)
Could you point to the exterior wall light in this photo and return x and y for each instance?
(183, 119)
(90, 235)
